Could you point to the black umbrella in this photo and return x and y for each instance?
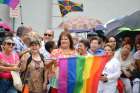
(123, 32)
(131, 21)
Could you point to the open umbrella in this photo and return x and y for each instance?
(5, 26)
(5, 30)
(125, 31)
(97, 28)
(131, 21)
(114, 23)
(80, 23)
(80, 30)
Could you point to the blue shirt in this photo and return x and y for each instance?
(19, 45)
(98, 52)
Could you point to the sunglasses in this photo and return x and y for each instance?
(48, 35)
(9, 44)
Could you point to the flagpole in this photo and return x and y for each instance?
(14, 23)
(21, 15)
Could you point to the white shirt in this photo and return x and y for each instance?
(43, 51)
(112, 70)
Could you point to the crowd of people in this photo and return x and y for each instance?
(35, 56)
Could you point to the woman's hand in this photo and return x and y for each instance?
(126, 73)
(16, 68)
(49, 63)
(45, 87)
(104, 78)
(11, 68)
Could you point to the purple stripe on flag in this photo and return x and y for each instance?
(62, 84)
(13, 3)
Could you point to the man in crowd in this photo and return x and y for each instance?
(48, 36)
(21, 39)
(95, 47)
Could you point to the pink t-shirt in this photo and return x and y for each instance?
(12, 59)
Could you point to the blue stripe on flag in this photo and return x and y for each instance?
(71, 74)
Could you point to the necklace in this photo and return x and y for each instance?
(37, 64)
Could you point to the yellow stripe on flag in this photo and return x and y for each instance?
(86, 72)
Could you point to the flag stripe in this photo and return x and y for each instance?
(7, 2)
(79, 73)
(71, 74)
(62, 84)
(96, 73)
(11, 3)
(1, 1)
(86, 73)
(94, 68)
(67, 6)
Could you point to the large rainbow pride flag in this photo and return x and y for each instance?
(11, 3)
(80, 74)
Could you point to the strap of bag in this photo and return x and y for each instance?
(42, 58)
(24, 73)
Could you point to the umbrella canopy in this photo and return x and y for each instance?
(97, 28)
(114, 23)
(5, 30)
(80, 23)
(80, 30)
(125, 31)
(5, 26)
(131, 21)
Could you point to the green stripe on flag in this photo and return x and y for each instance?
(79, 74)
(2, 1)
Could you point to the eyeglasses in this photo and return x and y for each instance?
(47, 35)
(9, 43)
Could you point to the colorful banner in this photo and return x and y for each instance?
(10, 3)
(80, 74)
(67, 6)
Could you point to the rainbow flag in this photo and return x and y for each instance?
(11, 3)
(80, 74)
(67, 6)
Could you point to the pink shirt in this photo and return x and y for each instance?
(12, 59)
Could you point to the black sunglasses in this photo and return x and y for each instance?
(9, 44)
(47, 35)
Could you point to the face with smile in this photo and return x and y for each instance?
(112, 42)
(35, 46)
(48, 35)
(81, 48)
(108, 50)
(126, 49)
(94, 45)
(65, 42)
